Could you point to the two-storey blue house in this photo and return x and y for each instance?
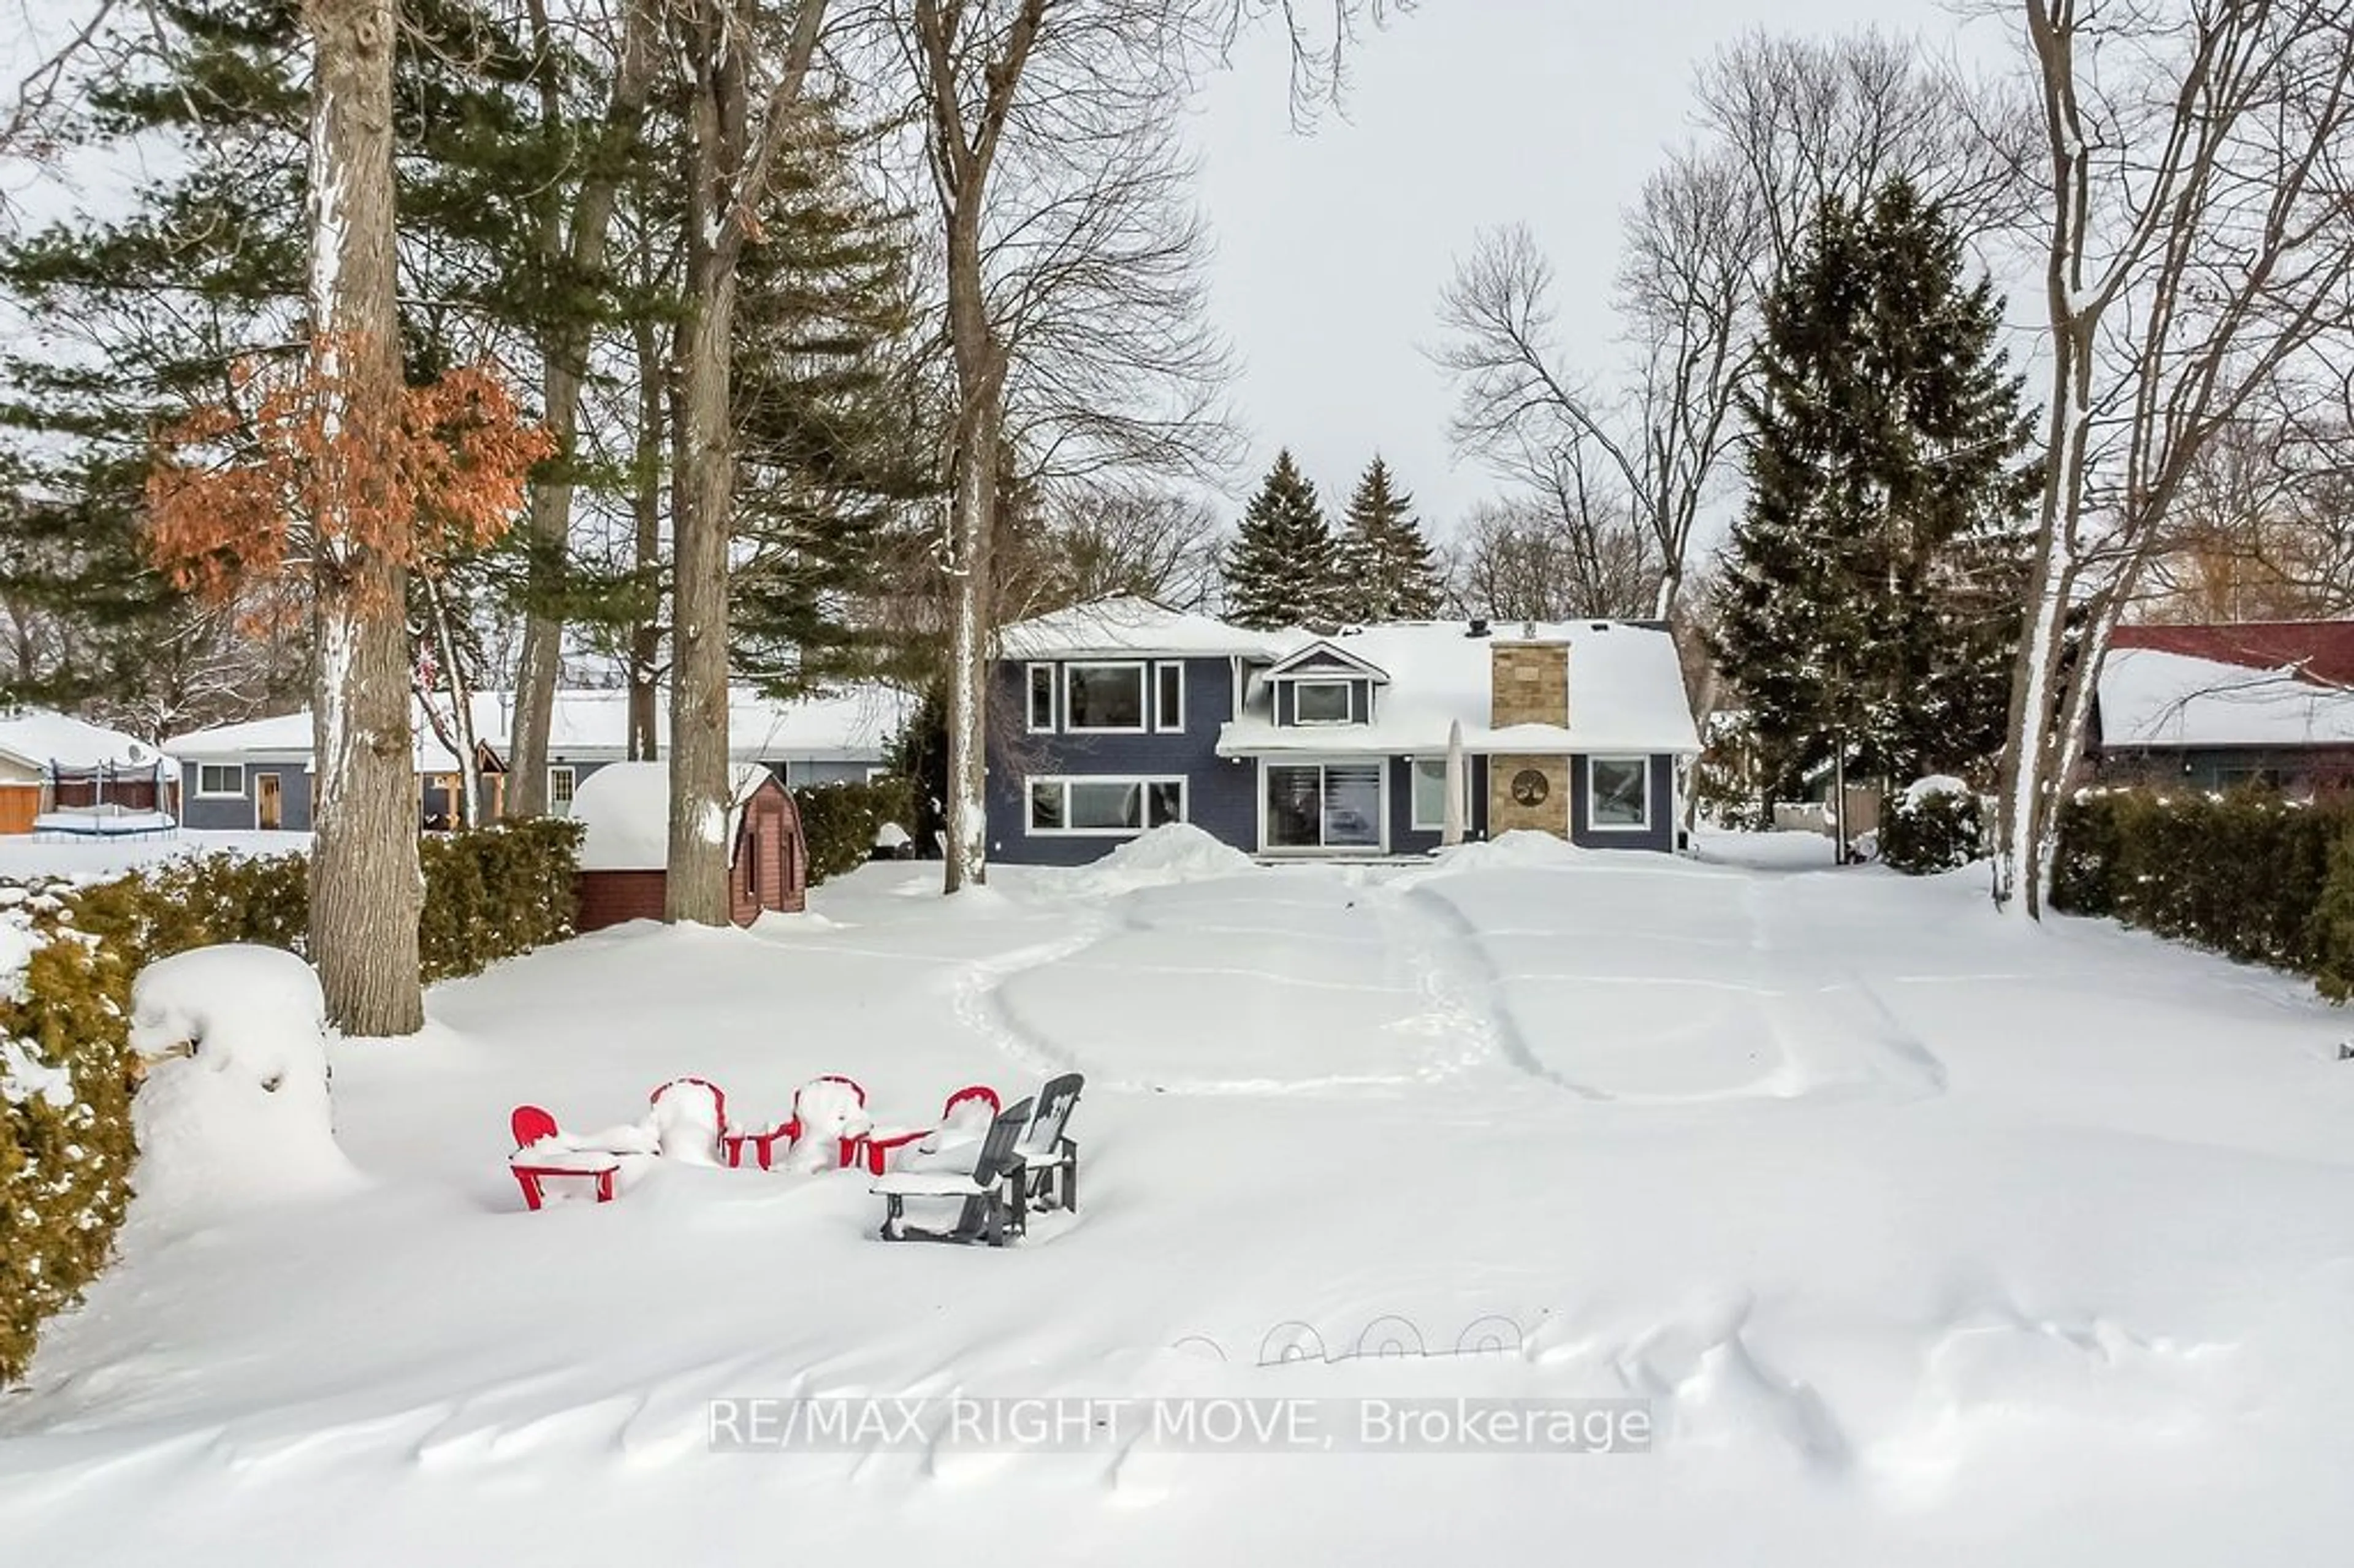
(1122, 715)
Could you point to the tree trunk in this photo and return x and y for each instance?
(696, 889)
(366, 889)
(564, 351)
(645, 504)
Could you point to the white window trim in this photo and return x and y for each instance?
(1029, 698)
(1144, 689)
(1642, 826)
(1159, 727)
(236, 794)
(573, 773)
(1317, 850)
(1348, 703)
(1184, 803)
(1439, 825)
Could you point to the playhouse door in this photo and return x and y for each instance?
(269, 810)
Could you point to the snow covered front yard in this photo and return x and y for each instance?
(1926, 1239)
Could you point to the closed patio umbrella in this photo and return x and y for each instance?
(1452, 832)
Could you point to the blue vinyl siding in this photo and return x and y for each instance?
(1219, 794)
(235, 815)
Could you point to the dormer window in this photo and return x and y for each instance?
(1320, 702)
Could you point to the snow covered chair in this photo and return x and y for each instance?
(827, 1112)
(544, 1151)
(1048, 1155)
(994, 1191)
(965, 1118)
(689, 1117)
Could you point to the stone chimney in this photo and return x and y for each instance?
(1527, 683)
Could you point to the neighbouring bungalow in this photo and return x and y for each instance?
(1125, 716)
(257, 774)
(2212, 707)
(59, 773)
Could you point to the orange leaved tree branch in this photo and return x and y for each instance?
(312, 474)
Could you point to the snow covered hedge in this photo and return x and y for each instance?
(2250, 875)
(839, 822)
(1935, 824)
(65, 1110)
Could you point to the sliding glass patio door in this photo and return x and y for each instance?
(1324, 805)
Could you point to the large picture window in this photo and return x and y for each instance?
(1618, 794)
(1103, 807)
(1324, 805)
(1319, 702)
(220, 778)
(1430, 794)
(1041, 698)
(1102, 697)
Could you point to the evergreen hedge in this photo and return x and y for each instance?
(839, 820)
(1934, 833)
(67, 957)
(65, 1110)
(2250, 874)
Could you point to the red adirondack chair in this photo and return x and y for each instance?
(539, 1156)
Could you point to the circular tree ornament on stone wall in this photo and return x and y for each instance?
(1529, 787)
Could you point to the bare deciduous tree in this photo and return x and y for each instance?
(2198, 252)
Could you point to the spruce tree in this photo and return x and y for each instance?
(1283, 566)
(1869, 600)
(1385, 569)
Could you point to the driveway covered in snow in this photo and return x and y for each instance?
(1917, 1236)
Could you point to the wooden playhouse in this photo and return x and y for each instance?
(624, 810)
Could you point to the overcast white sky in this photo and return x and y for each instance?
(1333, 247)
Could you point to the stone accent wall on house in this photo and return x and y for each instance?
(1505, 811)
(1527, 683)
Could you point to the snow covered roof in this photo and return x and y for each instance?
(38, 737)
(625, 808)
(1625, 695)
(2323, 650)
(850, 726)
(1129, 626)
(2152, 698)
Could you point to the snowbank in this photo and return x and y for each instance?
(1523, 849)
(1176, 852)
(235, 1110)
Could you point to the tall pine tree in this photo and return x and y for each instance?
(1869, 600)
(1283, 565)
(1385, 569)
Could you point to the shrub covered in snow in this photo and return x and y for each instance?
(234, 1108)
(66, 1142)
(2250, 874)
(1935, 824)
(840, 822)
